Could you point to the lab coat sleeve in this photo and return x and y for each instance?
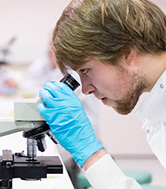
(105, 173)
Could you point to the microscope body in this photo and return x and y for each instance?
(27, 119)
(29, 166)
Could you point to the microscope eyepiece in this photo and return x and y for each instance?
(70, 81)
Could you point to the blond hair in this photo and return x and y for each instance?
(107, 29)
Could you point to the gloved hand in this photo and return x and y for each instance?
(67, 120)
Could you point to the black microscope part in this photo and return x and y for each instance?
(19, 166)
(70, 81)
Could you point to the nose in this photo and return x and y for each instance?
(87, 87)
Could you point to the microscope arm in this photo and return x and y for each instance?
(26, 110)
(26, 117)
(9, 126)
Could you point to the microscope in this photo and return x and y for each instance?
(5, 51)
(30, 166)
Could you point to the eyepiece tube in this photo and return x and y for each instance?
(70, 81)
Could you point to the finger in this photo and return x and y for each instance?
(47, 98)
(57, 89)
(41, 108)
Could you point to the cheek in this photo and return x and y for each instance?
(108, 83)
(114, 90)
(106, 88)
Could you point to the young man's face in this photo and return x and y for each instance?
(118, 87)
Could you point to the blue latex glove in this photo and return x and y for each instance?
(68, 122)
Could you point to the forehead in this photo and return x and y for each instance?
(95, 64)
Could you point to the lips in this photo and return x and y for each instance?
(103, 99)
(100, 98)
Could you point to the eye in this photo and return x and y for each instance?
(84, 71)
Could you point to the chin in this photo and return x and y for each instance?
(123, 112)
(121, 108)
(126, 108)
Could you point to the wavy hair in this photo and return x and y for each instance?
(107, 29)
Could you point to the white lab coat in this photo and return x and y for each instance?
(153, 114)
(105, 173)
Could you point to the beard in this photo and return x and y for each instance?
(127, 104)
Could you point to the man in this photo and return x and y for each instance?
(118, 48)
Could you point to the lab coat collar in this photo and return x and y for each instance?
(152, 107)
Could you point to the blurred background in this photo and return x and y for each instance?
(30, 22)
(25, 28)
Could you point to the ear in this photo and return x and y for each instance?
(130, 57)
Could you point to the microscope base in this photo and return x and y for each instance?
(14, 166)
